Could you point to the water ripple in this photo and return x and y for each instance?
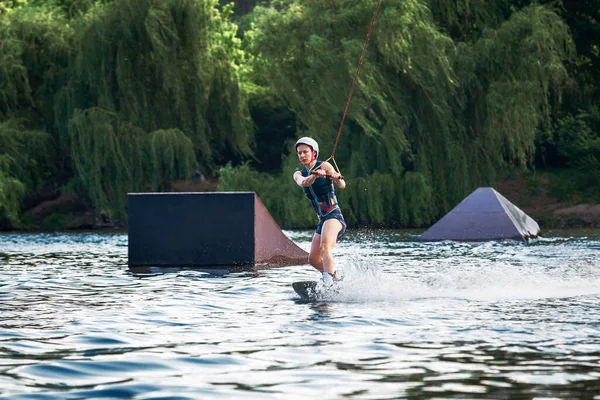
(422, 320)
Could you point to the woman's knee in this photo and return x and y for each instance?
(326, 247)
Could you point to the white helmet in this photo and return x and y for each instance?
(309, 142)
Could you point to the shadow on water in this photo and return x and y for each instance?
(320, 310)
(233, 271)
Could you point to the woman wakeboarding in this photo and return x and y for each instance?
(316, 180)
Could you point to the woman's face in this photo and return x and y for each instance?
(305, 154)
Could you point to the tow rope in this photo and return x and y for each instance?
(360, 61)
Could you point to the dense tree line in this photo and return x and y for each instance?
(100, 98)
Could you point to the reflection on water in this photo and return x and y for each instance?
(421, 320)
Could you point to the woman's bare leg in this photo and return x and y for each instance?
(314, 257)
(329, 233)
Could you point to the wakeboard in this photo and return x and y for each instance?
(315, 290)
(307, 290)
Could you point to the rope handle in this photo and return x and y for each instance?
(335, 167)
(328, 176)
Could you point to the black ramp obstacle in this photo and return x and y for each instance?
(484, 215)
(206, 230)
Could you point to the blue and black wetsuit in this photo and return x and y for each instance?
(321, 195)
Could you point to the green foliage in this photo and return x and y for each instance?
(172, 157)
(109, 157)
(451, 95)
(26, 152)
(518, 68)
(8, 5)
(175, 56)
(165, 67)
(578, 142)
(562, 186)
(11, 192)
(465, 19)
(438, 117)
(54, 222)
(384, 201)
(70, 8)
(25, 158)
(13, 74)
(124, 160)
(582, 19)
(38, 42)
(30, 150)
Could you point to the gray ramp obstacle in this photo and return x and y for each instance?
(484, 215)
(202, 230)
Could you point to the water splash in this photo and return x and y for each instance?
(480, 280)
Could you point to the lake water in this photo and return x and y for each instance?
(413, 320)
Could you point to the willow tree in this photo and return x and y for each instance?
(36, 43)
(126, 154)
(432, 118)
(13, 74)
(464, 20)
(11, 191)
(155, 79)
(25, 159)
(30, 40)
(520, 68)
